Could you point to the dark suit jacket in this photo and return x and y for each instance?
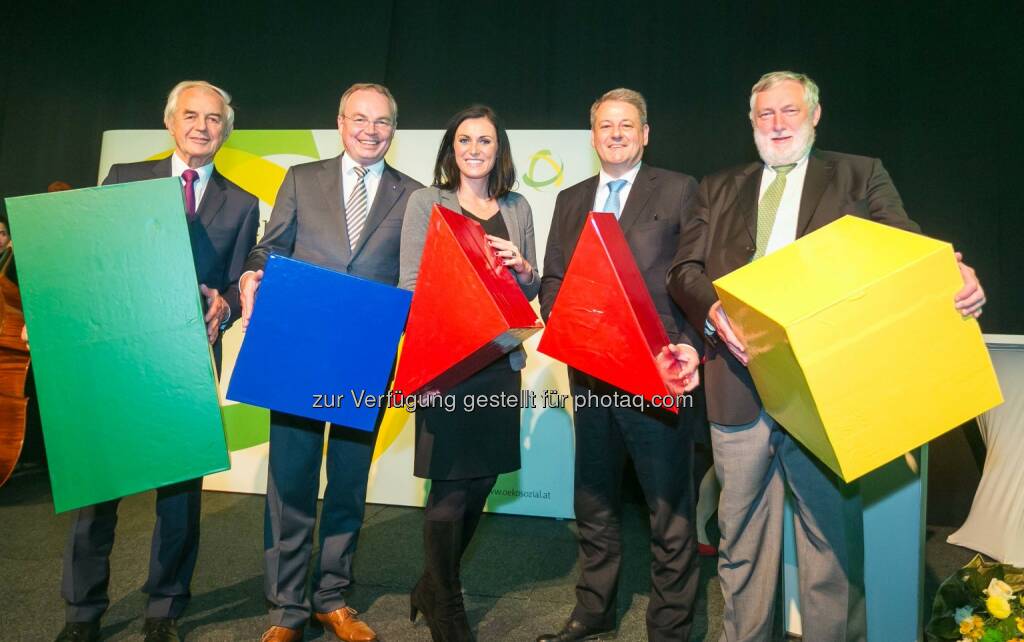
(720, 239)
(223, 234)
(660, 203)
(308, 222)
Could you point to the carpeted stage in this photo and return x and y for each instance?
(518, 576)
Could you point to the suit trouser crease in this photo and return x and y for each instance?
(662, 456)
(173, 552)
(755, 464)
(296, 447)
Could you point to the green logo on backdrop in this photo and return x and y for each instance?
(545, 170)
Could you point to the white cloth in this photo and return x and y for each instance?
(995, 525)
(784, 229)
(602, 189)
(179, 166)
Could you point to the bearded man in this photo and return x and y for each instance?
(743, 214)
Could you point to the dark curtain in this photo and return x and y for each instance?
(934, 89)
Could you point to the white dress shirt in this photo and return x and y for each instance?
(602, 189)
(784, 230)
(178, 168)
(349, 178)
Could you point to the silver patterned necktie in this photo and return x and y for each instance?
(612, 203)
(357, 207)
(768, 207)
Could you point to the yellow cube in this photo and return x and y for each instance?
(856, 348)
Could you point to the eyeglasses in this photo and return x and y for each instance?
(362, 122)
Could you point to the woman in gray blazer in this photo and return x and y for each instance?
(462, 452)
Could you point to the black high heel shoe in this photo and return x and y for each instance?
(421, 600)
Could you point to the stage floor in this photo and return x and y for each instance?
(518, 576)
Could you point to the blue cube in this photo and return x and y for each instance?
(320, 344)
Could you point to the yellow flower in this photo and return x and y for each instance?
(998, 607)
(972, 628)
(967, 625)
(999, 588)
(1020, 624)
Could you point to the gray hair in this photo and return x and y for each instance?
(380, 89)
(621, 94)
(172, 102)
(770, 79)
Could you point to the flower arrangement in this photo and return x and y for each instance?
(979, 603)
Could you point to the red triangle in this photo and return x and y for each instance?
(467, 309)
(604, 321)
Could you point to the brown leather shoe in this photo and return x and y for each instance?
(344, 624)
(282, 634)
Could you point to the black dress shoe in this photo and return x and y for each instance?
(575, 630)
(160, 629)
(79, 632)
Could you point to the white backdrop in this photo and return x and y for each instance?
(547, 161)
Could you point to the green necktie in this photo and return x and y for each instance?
(769, 207)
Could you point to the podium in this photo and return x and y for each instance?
(894, 499)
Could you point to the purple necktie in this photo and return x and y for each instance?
(190, 176)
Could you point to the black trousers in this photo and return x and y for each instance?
(458, 499)
(662, 454)
(172, 557)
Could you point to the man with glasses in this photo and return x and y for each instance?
(344, 213)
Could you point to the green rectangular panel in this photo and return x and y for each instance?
(122, 366)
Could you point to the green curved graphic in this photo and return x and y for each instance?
(544, 158)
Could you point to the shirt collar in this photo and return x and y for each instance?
(179, 166)
(800, 164)
(348, 165)
(630, 177)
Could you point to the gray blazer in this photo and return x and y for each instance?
(308, 223)
(516, 213)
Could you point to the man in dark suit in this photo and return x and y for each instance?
(652, 205)
(222, 223)
(742, 214)
(344, 213)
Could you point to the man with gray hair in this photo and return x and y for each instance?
(344, 213)
(652, 205)
(742, 214)
(199, 118)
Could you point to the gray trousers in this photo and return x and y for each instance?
(755, 464)
(296, 449)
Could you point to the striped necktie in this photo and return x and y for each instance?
(357, 207)
(769, 207)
